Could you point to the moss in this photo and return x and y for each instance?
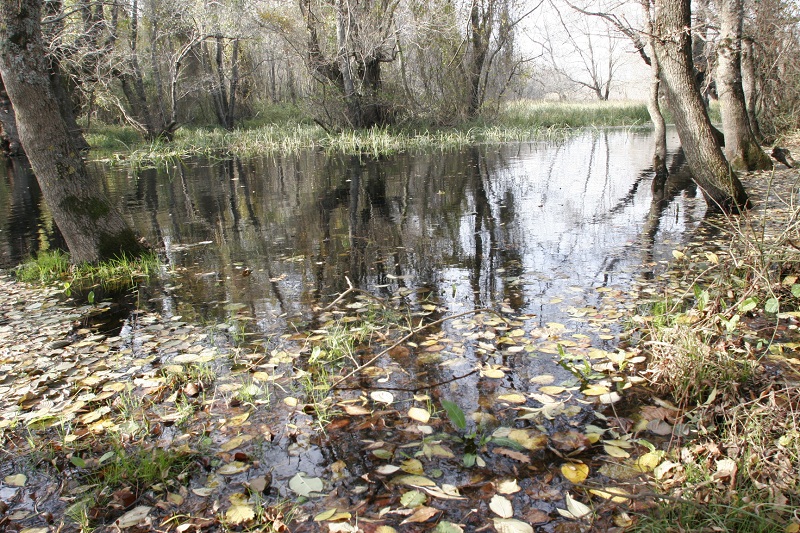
(122, 244)
(91, 207)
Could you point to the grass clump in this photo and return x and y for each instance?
(717, 348)
(52, 267)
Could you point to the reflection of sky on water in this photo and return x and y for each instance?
(516, 225)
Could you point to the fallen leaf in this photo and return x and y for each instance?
(240, 510)
(356, 410)
(420, 415)
(412, 499)
(512, 398)
(575, 472)
(235, 442)
(501, 506)
(304, 486)
(510, 525)
(235, 467)
(575, 509)
(508, 486)
(16, 480)
(611, 493)
(382, 396)
(413, 481)
(517, 456)
(447, 527)
(422, 514)
(133, 517)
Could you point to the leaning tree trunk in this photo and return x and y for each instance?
(741, 147)
(9, 136)
(673, 47)
(92, 227)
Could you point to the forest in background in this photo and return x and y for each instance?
(156, 65)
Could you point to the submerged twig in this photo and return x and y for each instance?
(350, 289)
(407, 337)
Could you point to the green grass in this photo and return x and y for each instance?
(53, 266)
(277, 130)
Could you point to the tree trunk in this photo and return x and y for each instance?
(480, 48)
(92, 227)
(741, 148)
(673, 47)
(9, 136)
(653, 106)
(343, 61)
(749, 87)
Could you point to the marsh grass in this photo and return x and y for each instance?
(288, 131)
(739, 468)
(53, 267)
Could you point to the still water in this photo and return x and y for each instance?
(558, 235)
(517, 226)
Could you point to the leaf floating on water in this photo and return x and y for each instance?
(413, 499)
(419, 414)
(16, 480)
(575, 472)
(508, 486)
(513, 398)
(304, 486)
(236, 467)
(551, 390)
(511, 525)
(382, 396)
(501, 506)
(492, 372)
(422, 514)
(413, 481)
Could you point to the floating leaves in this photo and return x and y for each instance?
(575, 472)
(303, 485)
(501, 506)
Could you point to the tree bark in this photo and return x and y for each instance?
(741, 147)
(653, 106)
(749, 86)
(673, 47)
(9, 136)
(92, 227)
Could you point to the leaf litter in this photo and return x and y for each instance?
(237, 434)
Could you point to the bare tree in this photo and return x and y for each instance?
(741, 147)
(673, 47)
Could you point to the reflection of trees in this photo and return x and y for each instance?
(28, 227)
(665, 189)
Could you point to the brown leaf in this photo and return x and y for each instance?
(421, 514)
(568, 441)
(517, 456)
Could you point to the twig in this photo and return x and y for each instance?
(350, 289)
(417, 389)
(405, 338)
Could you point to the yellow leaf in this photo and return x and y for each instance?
(575, 472)
(414, 481)
(512, 398)
(611, 493)
(551, 389)
(16, 480)
(678, 254)
(418, 414)
(235, 442)
(494, 373)
(412, 466)
(648, 461)
(615, 451)
(325, 515)
(595, 390)
(239, 512)
(528, 440)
